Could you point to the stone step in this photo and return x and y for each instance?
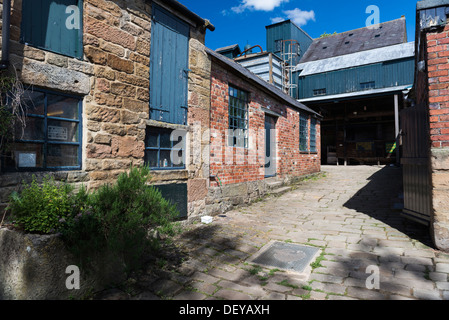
(273, 184)
(279, 191)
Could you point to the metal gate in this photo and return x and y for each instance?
(416, 164)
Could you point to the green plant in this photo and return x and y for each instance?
(40, 207)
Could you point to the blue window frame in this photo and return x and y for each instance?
(313, 123)
(53, 26)
(51, 139)
(303, 132)
(165, 148)
(238, 117)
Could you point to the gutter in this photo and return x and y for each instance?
(189, 14)
(6, 18)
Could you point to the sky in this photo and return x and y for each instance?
(243, 22)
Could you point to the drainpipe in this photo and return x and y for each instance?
(6, 18)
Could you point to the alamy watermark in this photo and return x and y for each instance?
(73, 280)
(373, 20)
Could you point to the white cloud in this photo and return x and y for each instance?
(276, 20)
(300, 17)
(258, 5)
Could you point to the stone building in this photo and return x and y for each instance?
(110, 84)
(89, 81)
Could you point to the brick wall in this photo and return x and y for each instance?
(438, 75)
(432, 89)
(236, 165)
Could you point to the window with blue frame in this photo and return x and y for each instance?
(53, 25)
(313, 122)
(165, 148)
(238, 117)
(51, 139)
(303, 132)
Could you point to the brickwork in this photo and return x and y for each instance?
(433, 90)
(236, 165)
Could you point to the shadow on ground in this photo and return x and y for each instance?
(382, 199)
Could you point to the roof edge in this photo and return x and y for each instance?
(190, 14)
(271, 89)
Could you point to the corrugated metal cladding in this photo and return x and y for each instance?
(260, 65)
(384, 75)
(286, 30)
(169, 67)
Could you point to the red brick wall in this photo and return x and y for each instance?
(235, 165)
(438, 73)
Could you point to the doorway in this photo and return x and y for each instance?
(270, 146)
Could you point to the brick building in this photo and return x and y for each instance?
(426, 125)
(114, 83)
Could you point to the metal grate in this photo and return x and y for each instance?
(287, 256)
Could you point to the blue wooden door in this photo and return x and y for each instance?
(169, 68)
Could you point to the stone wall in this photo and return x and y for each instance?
(113, 81)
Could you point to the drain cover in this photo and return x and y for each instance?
(287, 256)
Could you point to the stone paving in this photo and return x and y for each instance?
(350, 213)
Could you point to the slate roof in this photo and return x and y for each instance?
(387, 34)
(228, 48)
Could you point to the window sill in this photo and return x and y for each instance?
(166, 125)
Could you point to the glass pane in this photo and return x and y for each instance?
(62, 155)
(177, 158)
(62, 131)
(34, 102)
(62, 107)
(165, 159)
(26, 155)
(151, 158)
(151, 139)
(34, 130)
(165, 139)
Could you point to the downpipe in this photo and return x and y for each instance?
(6, 27)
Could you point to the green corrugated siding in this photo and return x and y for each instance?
(387, 74)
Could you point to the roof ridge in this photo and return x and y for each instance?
(349, 31)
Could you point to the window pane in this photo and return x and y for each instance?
(34, 102)
(151, 158)
(34, 130)
(165, 139)
(62, 155)
(26, 155)
(62, 131)
(165, 161)
(177, 158)
(62, 107)
(152, 138)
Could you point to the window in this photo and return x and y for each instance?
(303, 132)
(164, 148)
(53, 25)
(238, 117)
(278, 45)
(313, 135)
(319, 92)
(51, 139)
(367, 85)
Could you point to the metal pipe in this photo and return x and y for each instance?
(6, 18)
(256, 46)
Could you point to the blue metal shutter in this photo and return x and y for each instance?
(169, 68)
(44, 26)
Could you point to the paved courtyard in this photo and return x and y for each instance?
(350, 213)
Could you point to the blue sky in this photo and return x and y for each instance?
(243, 21)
